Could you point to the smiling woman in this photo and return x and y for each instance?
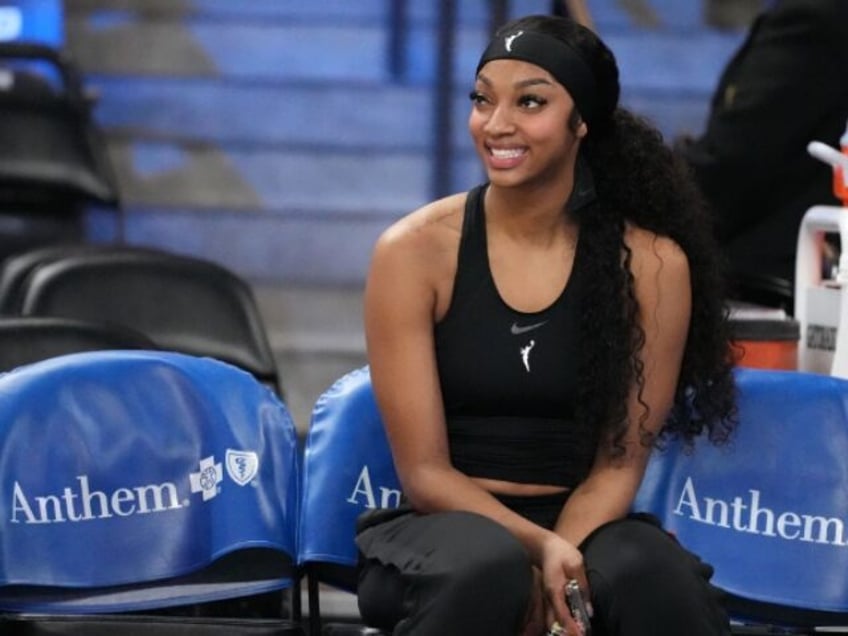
(529, 342)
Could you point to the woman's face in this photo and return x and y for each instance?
(519, 124)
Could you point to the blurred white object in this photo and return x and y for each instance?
(821, 305)
(829, 155)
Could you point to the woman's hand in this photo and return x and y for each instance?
(561, 561)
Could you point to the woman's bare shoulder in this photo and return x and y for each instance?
(425, 233)
(411, 262)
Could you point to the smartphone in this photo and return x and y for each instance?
(574, 599)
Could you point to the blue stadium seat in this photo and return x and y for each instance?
(347, 469)
(769, 511)
(137, 481)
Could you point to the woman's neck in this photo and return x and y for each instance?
(528, 210)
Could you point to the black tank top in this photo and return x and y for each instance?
(509, 378)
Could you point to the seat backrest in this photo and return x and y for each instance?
(16, 269)
(50, 143)
(769, 511)
(347, 469)
(27, 339)
(182, 303)
(137, 480)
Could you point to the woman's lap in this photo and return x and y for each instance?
(445, 570)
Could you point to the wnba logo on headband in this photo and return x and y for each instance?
(556, 56)
(509, 39)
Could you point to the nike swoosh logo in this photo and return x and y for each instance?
(515, 330)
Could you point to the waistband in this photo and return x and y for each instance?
(530, 450)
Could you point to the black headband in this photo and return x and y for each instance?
(555, 56)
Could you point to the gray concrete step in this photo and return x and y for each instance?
(282, 115)
(317, 337)
(272, 137)
(254, 178)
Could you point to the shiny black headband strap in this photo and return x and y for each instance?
(555, 56)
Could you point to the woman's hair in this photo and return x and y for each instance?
(639, 180)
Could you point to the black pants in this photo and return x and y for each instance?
(461, 573)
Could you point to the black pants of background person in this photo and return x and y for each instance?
(458, 573)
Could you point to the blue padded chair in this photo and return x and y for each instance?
(770, 511)
(143, 481)
(347, 469)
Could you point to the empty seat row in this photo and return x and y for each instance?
(137, 480)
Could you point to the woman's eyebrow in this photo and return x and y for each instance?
(533, 81)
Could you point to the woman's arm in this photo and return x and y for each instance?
(662, 288)
(400, 308)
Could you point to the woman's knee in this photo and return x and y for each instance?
(641, 575)
(633, 550)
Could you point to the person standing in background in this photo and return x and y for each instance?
(784, 87)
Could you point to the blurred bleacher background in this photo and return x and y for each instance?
(279, 137)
